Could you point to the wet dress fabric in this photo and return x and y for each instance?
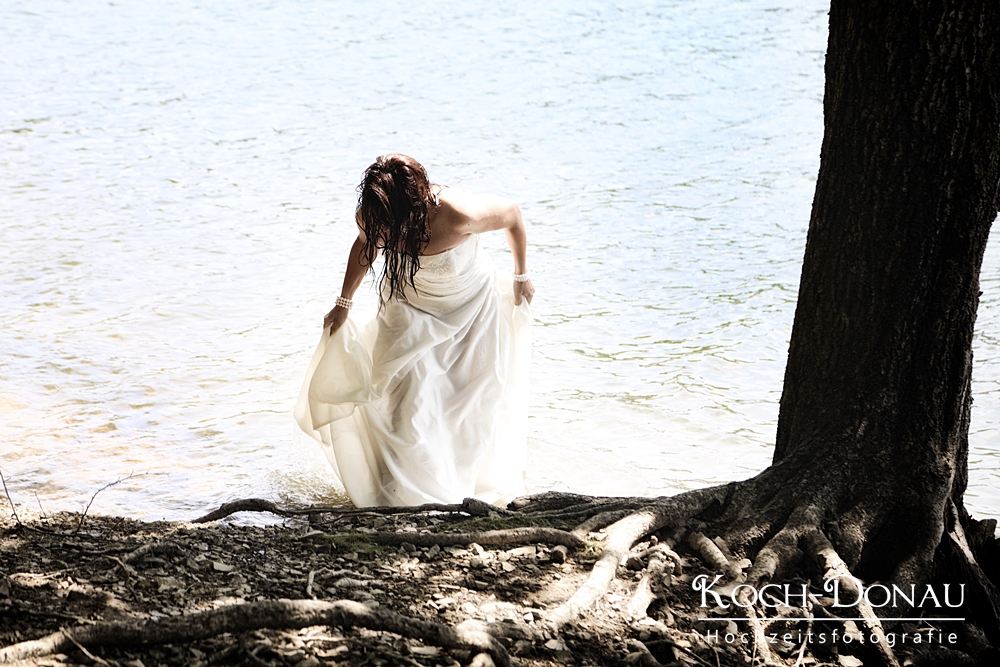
(427, 402)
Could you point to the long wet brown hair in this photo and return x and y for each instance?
(394, 199)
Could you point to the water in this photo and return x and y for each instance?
(176, 202)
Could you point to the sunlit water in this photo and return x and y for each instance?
(176, 203)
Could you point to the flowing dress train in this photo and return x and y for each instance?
(427, 402)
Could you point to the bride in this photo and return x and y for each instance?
(428, 401)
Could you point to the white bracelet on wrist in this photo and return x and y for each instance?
(521, 277)
(344, 303)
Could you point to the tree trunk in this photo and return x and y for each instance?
(870, 462)
(880, 363)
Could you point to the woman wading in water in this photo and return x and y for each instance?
(428, 401)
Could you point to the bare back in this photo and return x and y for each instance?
(461, 213)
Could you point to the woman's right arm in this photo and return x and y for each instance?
(353, 276)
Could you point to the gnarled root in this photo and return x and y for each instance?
(599, 521)
(470, 506)
(984, 599)
(767, 519)
(833, 567)
(620, 537)
(663, 562)
(283, 614)
(713, 556)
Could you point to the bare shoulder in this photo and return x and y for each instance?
(472, 212)
(465, 203)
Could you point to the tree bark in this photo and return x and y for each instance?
(880, 361)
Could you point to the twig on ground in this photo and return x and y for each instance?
(39, 501)
(96, 552)
(150, 549)
(93, 497)
(397, 658)
(250, 652)
(309, 584)
(694, 655)
(7, 493)
(126, 568)
(97, 659)
(802, 649)
(761, 648)
(49, 614)
(646, 659)
(327, 574)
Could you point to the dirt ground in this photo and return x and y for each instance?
(65, 571)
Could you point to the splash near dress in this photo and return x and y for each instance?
(428, 401)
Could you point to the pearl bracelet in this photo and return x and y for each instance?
(521, 277)
(344, 303)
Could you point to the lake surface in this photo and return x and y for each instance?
(176, 206)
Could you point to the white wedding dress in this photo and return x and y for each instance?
(428, 401)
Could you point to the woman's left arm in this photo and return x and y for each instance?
(517, 239)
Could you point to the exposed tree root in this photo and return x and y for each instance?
(583, 511)
(275, 614)
(551, 500)
(599, 521)
(509, 536)
(470, 506)
(761, 647)
(768, 523)
(777, 536)
(833, 567)
(713, 556)
(570, 507)
(662, 563)
(620, 537)
(984, 599)
(725, 527)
